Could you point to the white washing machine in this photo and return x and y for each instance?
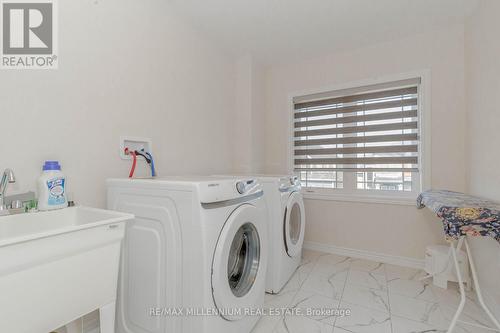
(194, 258)
(286, 225)
(286, 219)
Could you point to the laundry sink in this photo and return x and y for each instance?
(57, 266)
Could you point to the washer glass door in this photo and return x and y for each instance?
(238, 272)
(243, 262)
(294, 225)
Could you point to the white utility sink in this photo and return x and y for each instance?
(57, 266)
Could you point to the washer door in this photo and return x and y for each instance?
(294, 225)
(237, 268)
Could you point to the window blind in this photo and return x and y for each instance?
(371, 128)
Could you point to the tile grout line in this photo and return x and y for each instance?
(370, 272)
(435, 302)
(435, 296)
(308, 274)
(315, 262)
(388, 297)
(330, 297)
(368, 288)
(343, 289)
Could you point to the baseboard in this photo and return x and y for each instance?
(367, 255)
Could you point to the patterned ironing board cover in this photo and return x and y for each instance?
(463, 214)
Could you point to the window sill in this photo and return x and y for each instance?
(405, 200)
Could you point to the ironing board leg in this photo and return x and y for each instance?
(476, 286)
(460, 284)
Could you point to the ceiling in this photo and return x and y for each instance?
(282, 30)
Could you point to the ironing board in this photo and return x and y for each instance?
(464, 215)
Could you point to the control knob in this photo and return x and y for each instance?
(240, 187)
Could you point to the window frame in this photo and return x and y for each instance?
(352, 194)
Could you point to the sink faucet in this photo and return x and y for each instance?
(7, 177)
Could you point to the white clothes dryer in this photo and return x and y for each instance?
(286, 225)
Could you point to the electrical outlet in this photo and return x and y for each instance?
(134, 143)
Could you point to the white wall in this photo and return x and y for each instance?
(258, 117)
(389, 229)
(242, 130)
(483, 135)
(247, 131)
(133, 68)
(126, 68)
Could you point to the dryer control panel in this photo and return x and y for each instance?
(290, 184)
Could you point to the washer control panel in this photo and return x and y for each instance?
(244, 185)
(227, 189)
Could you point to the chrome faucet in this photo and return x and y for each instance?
(7, 177)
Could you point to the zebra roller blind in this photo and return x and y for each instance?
(371, 128)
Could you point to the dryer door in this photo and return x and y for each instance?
(294, 225)
(238, 273)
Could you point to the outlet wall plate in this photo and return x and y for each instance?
(134, 143)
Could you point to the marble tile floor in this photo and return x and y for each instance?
(381, 298)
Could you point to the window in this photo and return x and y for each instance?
(359, 140)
